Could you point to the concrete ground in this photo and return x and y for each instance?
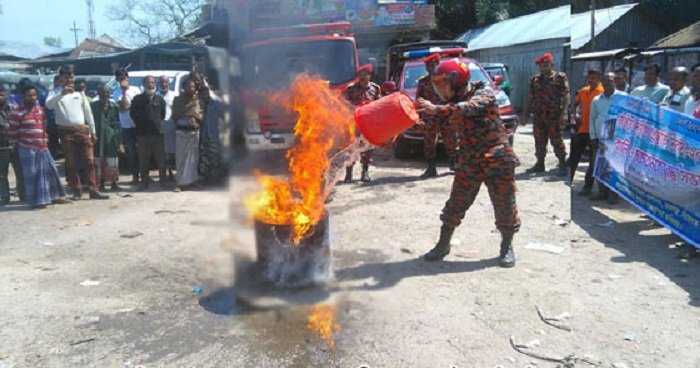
(147, 281)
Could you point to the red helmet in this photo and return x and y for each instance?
(450, 66)
(389, 86)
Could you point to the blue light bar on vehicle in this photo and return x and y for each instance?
(434, 50)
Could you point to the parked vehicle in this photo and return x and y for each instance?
(177, 79)
(499, 74)
(271, 62)
(409, 67)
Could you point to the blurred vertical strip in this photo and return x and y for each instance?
(239, 27)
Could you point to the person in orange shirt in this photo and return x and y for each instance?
(583, 139)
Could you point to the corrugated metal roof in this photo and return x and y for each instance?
(547, 24)
(686, 37)
(581, 23)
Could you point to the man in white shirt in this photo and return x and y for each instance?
(652, 90)
(76, 129)
(692, 106)
(168, 127)
(123, 95)
(598, 115)
(678, 95)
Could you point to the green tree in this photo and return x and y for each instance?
(491, 11)
(148, 22)
(53, 41)
(454, 17)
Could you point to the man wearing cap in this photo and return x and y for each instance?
(484, 156)
(548, 97)
(433, 126)
(388, 88)
(359, 93)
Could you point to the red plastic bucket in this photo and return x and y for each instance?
(381, 120)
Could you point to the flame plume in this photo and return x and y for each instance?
(324, 122)
(322, 321)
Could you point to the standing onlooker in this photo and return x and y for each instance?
(106, 114)
(583, 140)
(168, 126)
(210, 142)
(187, 116)
(621, 78)
(549, 96)
(76, 129)
(148, 112)
(360, 92)
(652, 90)
(8, 153)
(123, 95)
(28, 131)
(692, 106)
(599, 113)
(679, 93)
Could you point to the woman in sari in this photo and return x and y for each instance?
(187, 116)
(42, 182)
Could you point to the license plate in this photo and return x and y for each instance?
(277, 140)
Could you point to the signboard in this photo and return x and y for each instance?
(651, 157)
(360, 12)
(397, 14)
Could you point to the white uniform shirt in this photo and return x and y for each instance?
(599, 112)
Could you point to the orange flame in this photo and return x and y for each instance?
(324, 122)
(322, 321)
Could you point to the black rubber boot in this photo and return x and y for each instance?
(562, 169)
(348, 174)
(538, 168)
(453, 163)
(506, 258)
(365, 174)
(431, 171)
(442, 248)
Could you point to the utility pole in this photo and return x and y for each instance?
(75, 30)
(92, 33)
(592, 24)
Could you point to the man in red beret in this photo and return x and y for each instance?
(358, 93)
(433, 127)
(548, 97)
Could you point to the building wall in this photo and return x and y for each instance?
(521, 62)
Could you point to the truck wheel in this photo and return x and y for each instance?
(402, 148)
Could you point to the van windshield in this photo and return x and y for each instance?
(414, 72)
(276, 65)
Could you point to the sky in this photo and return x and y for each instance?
(32, 20)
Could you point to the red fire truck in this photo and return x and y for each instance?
(275, 56)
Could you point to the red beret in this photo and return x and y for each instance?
(546, 57)
(389, 86)
(366, 68)
(434, 58)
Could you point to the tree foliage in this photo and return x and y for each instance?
(148, 22)
(53, 41)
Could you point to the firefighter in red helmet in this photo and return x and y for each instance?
(361, 92)
(432, 127)
(484, 156)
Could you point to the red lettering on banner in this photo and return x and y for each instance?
(622, 145)
(671, 174)
(626, 122)
(690, 178)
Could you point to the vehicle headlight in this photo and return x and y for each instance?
(502, 99)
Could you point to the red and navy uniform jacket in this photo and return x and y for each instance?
(548, 94)
(475, 115)
(27, 128)
(358, 95)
